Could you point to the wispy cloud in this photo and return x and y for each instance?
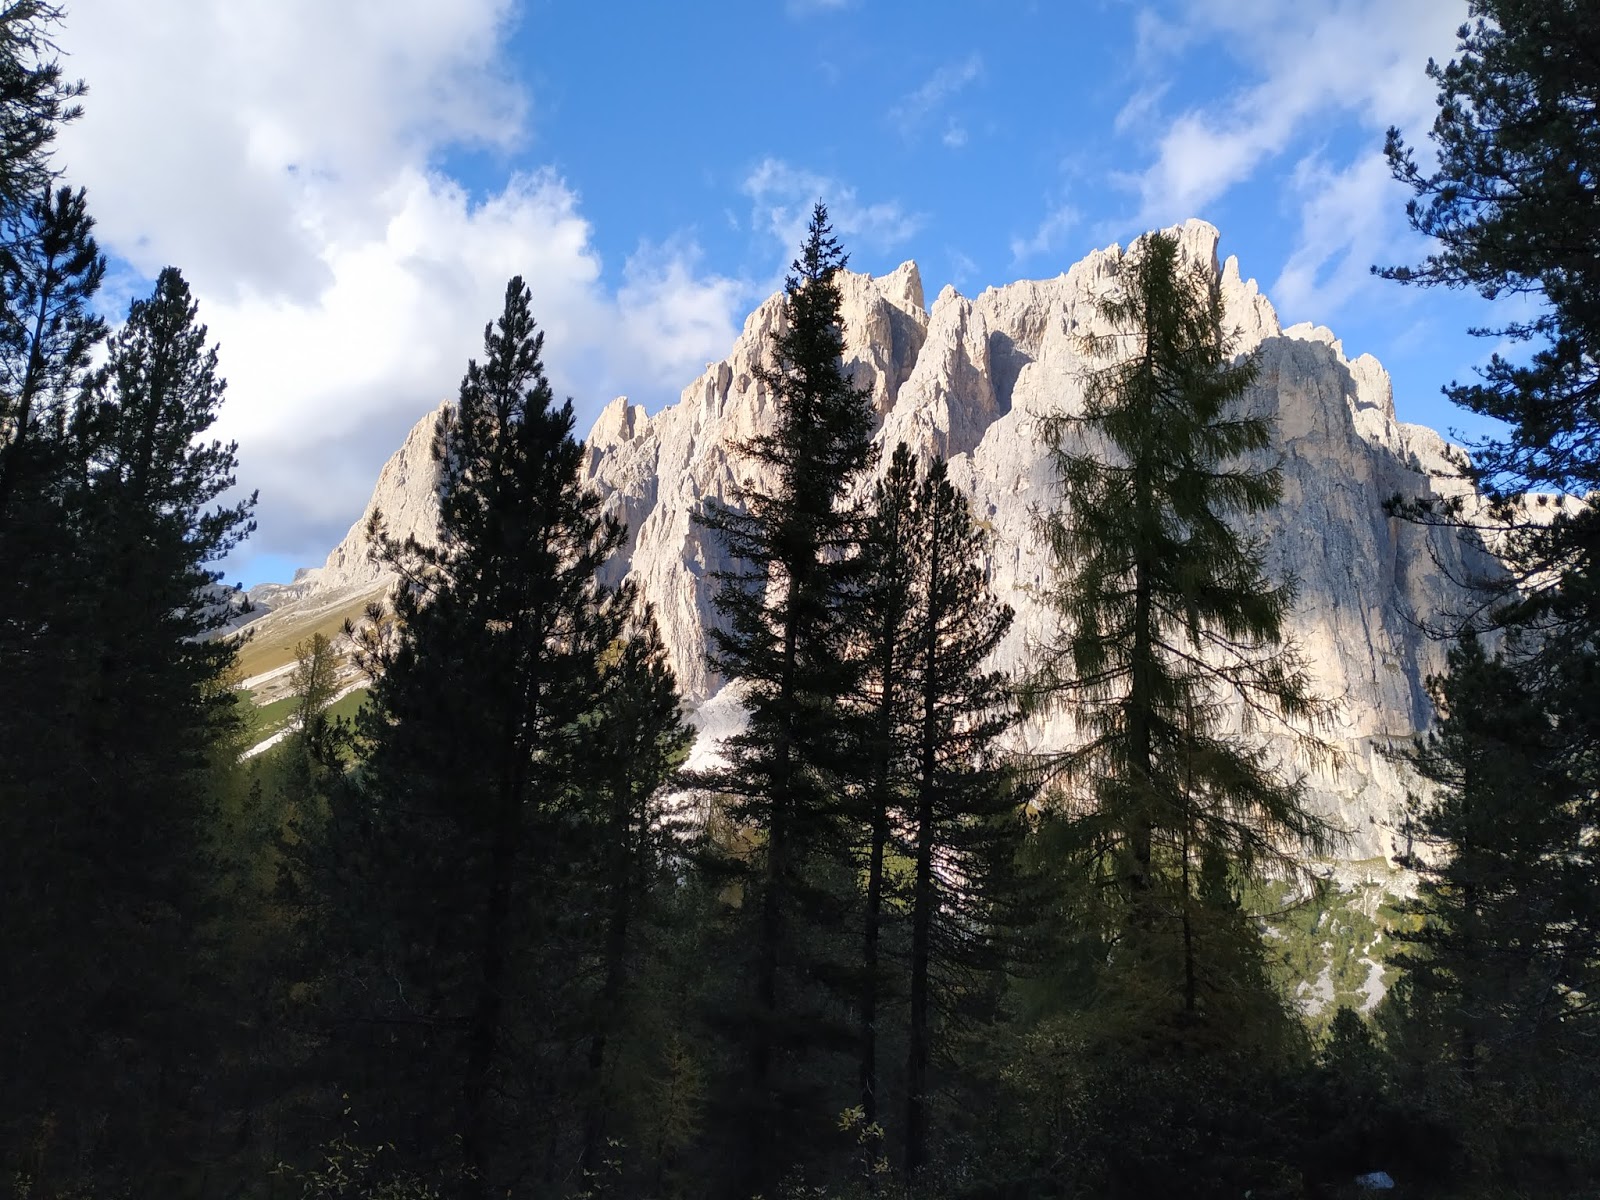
(963, 268)
(782, 195)
(913, 110)
(1355, 58)
(1140, 110)
(1310, 77)
(1048, 238)
(1338, 238)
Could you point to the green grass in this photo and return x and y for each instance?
(347, 707)
(264, 720)
(1330, 932)
(272, 641)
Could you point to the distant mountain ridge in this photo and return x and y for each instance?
(964, 379)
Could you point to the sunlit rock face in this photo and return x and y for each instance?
(967, 379)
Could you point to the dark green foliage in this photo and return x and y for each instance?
(1511, 206)
(958, 823)
(1500, 846)
(627, 746)
(48, 274)
(939, 813)
(1493, 1021)
(786, 643)
(35, 99)
(1490, 1026)
(127, 724)
(1167, 618)
(492, 872)
(888, 581)
(465, 970)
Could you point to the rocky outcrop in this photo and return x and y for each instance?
(967, 379)
(407, 494)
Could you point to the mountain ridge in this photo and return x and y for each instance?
(964, 378)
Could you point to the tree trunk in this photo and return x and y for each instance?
(616, 966)
(919, 1049)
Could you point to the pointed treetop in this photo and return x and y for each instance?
(821, 254)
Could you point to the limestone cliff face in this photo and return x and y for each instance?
(967, 379)
(407, 494)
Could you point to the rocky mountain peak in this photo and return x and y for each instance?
(967, 380)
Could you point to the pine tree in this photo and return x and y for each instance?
(1511, 206)
(887, 599)
(785, 643)
(961, 827)
(49, 271)
(1166, 617)
(1501, 851)
(35, 99)
(625, 750)
(460, 833)
(136, 712)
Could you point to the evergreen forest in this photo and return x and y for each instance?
(489, 933)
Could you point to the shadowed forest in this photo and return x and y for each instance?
(485, 933)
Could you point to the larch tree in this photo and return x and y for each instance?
(1166, 618)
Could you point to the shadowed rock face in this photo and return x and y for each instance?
(966, 379)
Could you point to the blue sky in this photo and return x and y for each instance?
(348, 185)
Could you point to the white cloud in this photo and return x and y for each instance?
(1156, 38)
(963, 268)
(1339, 239)
(279, 152)
(1139, 110)
(1359, 58)
(913, 109)
(782, 195)
(1317, 85)
(1049, 237)
(673, 320)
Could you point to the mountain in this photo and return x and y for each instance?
(965, 379)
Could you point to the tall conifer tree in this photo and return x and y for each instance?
(888, 600)
(624, 751)
(1498, 844)
(785, 643)
(1166, 616)
(961, 827)
(1511, 202)
(462, 837)
(136, 712)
